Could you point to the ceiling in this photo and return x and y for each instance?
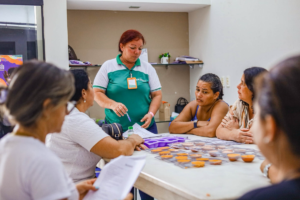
(145, 5)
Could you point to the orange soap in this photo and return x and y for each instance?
(156, 150)
(184, 161)
(248, 158)
(166, 156)
(164, 153)
(181, 157)
(182, 154)
(195, 155)
(215, 162)
(233, 156)
(198, 164)
(202, 159)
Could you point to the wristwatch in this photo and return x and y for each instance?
(195, 124)
(266, 170)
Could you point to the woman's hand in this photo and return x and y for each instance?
(147, 119)
(129, 197)
(230, 122)
(119, 108)
(138, 139)
(244, 135)
(141, 147)
(84, 186)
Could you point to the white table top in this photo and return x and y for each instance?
(227, 181)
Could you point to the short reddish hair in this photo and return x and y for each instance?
(130, 35)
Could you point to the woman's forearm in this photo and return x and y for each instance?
(226, 134)
(181, 127)
(204, 131)
(103, 100)
(155, 103)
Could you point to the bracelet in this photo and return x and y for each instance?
(151, 113)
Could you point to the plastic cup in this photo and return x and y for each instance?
(198, 163)
(248, 158)
(233, 156)
(215, 162)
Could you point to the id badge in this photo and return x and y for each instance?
(131, 82)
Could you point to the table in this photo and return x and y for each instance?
(165, 181)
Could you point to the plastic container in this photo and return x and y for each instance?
(174, 150)
(213, 153)
(165, 148)
(194, 149)
(207, 148)
(215, 162)
(151, 144)
(187, 144)
(130, 131)
(239, 150)
(184, 161)
(161, 143)
(221, 147)
(199, 143)
(181, 158)
(182, 154)
(156, 150)
(233, 156)
(180, 139)
(248, 158)
(202, 159)
(166, 157)
(164, 153)
(227, 151)
(198, 163)
(195, 155)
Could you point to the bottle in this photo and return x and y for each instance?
(130, 131)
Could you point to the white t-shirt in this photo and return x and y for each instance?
(73, 144)
(28, 170)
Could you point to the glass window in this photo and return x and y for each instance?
(21, 31)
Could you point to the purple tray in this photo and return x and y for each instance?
(151, 144)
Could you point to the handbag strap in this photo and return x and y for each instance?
(112, 130)
(118, 128)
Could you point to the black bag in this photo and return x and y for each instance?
(115, 130)
(181, 103)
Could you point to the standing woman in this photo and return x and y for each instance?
(126, 84)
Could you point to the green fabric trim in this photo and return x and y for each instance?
(156, 90)
(97, 86)
(137, 62)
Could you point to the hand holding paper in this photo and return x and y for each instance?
(117, 178)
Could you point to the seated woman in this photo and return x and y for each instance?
(81, 142)
(203, 115)
(37, 105)
(276, 128)
(237, 123)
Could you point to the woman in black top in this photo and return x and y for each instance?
(277, 128)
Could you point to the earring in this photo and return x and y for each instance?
(266, 140)
(84, 101)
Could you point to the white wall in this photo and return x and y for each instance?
(232, 35)
(56, 32)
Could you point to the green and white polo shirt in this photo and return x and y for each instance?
(112, 77)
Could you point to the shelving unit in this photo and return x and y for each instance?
(191, 65)
(84, 66)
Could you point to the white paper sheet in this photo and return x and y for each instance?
(137, 129)
(117, 178)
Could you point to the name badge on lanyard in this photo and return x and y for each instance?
(131, 82)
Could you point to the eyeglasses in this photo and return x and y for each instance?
(70, 106)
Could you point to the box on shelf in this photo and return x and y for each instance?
(164, 111)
